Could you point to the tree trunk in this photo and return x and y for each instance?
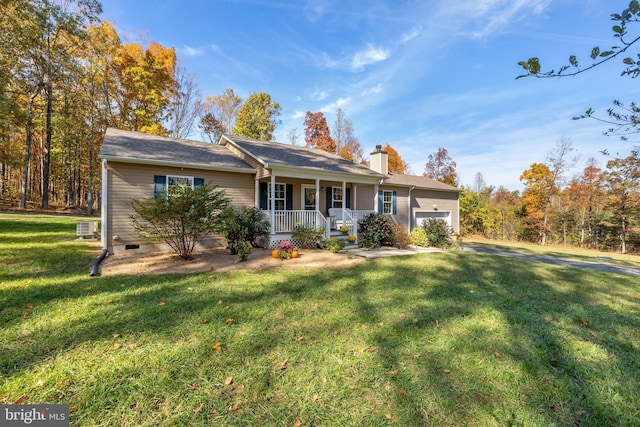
(47, 149)
(623, 234)
(27, 154)
(91, 170)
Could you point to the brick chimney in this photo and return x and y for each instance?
(380, 161)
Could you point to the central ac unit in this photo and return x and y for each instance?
(86, 228)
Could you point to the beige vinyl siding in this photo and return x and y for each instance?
(128, 181)
(421, 201)
(365, 197)
(260, 170)
(424, 201)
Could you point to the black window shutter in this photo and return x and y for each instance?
(198, 182)
(348, 198)
(394, 200)
(380, 201)
(289, 196)
(264, 196)
(329, 199)
(159, 185)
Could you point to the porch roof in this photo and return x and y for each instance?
(274, 155)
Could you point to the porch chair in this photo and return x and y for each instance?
(336, 218)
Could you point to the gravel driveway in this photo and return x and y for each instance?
(596, 265)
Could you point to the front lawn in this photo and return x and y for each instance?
(433, 339)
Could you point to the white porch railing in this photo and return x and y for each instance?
(286, 221)
(353, 218)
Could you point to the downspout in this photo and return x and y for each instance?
(409, 213)
(95, 268)
(104, 206)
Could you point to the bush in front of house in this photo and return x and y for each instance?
(307, 236)
(335, 245)
(374, 230)
(244, 251)
(243, 224)
(181, 217)
(418, 237)
(399, 237)
(438, 232)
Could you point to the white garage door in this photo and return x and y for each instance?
(421, 216)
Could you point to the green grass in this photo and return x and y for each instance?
(433, 339)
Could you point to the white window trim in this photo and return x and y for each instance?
(385, 203)
(191, 178)
(334, 200)
(274, 199)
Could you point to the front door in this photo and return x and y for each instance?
(309, 198)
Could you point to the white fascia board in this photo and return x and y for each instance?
(311, 173)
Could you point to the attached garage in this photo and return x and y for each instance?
(420, 217)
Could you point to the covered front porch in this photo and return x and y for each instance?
(328, 204)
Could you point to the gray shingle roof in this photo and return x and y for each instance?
(138, 147)
(277, 154)
(419, 182)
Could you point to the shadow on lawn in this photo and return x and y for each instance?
(558, 383)
(546, 317)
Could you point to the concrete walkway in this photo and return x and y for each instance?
(385, 252)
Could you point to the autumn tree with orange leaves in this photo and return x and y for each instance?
(441, 167)
(397, 166)
(316, 133)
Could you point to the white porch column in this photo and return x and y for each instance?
(355, 197)
(317, 195)
(375, 198)
(272, 212)
(257, 194)
(344, 200)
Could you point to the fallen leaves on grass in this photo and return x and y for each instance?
(228, 380)
(217, 346)
(21, 400)
(283, 365)
(229, 321)
(198, 409)
(28, 305)
(163, 302)
(234, 407)
(74, 408)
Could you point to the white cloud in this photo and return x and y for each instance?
(331, 108)
(319, 95)
(367, 56)
(373, 90)
(412, 34)
(191, 51)
(297, 115)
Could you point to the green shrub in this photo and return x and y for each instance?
(335, 245)
(244, 224)
(181, 217)
(418, 237)
(399, 237)
(244, 250)
(438, 232)
(307, 236)
(374, 230)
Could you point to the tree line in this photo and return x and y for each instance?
(598, 208)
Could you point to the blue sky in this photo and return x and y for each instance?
(417, 74)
